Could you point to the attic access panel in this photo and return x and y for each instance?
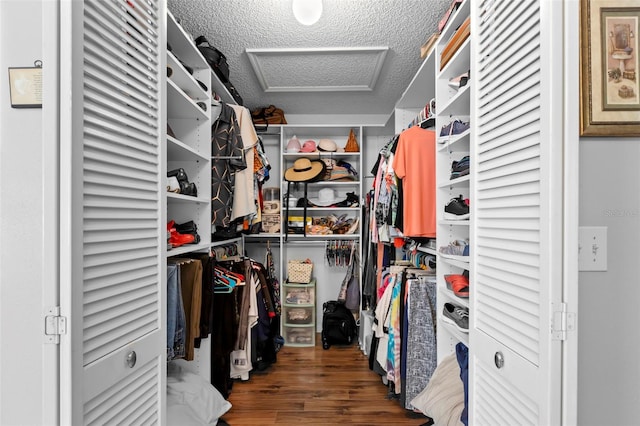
(340, 69)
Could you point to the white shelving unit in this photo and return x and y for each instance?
(453, 103)
(190, 150)
(298, 246)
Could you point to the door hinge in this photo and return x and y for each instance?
(54, 325)
(562, 322)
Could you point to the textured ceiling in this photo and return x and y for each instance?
(234, 26)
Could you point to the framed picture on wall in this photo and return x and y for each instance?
(609, 70)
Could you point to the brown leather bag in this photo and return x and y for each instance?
(268, 115)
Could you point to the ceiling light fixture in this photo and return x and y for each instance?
(307, 12)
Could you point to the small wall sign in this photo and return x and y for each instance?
(26, 86)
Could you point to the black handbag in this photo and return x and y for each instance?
(215, 58)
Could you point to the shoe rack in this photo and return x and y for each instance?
(452, 59)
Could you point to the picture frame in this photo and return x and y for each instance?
(609, 68)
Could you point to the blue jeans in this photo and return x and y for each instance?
(462, 354)
(176, 321)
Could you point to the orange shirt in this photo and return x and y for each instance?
(415, 164)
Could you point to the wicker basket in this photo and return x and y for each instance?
(299, 271)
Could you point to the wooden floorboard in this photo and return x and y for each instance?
(312, 386)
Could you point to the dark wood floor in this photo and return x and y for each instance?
(312, 386)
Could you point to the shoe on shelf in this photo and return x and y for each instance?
(460, 168)
(454, 128)
(458, 284)
(173, 185)
(457, 250)
(457, 209)
(460, 81)
(458, 316)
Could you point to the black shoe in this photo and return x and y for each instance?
(460, 168)
(352, 200)
(457, 209)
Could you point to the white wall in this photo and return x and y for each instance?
(27, 220)
(609, 342)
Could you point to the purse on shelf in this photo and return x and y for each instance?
(215, 58)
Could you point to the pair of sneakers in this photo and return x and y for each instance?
(457, 250)
(457, 209)
(457, 316)
(460, 168)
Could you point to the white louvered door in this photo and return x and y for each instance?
(517, 210)
(112, 274)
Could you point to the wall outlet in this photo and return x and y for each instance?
(592, 248)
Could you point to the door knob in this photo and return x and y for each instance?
(498, 358)
(131, 359)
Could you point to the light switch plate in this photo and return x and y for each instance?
(592, 248)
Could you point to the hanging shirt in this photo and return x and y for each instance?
(225, 142)
(415, 164)
(244, 201)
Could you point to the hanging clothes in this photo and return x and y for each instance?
(176, 322)
(244, 203)
(414, 163)
(226, 159)
(421, 353)
(190, 279)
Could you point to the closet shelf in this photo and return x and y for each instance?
(320, 155)
(321, 238)
(184, 80)
(453, 298)
(461, 181)
(457, 263)
(187, 248)
(324, 209)
(181, 42)
(262, 236)
(462, 337)
(458, 64)
(454, 222)
(459, 103)
(177, 150)
(325, 183)
(180, 198)
(179, 105)
(457, 143)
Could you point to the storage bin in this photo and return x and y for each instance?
(299, 315)
(299, 271)
(300, 336)
(299, 294)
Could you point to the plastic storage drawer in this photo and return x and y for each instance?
(300, 335)
(299, 315)
(299, 294)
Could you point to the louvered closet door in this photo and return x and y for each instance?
(517, 209)
(113, 356)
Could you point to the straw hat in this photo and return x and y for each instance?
(304, 170)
